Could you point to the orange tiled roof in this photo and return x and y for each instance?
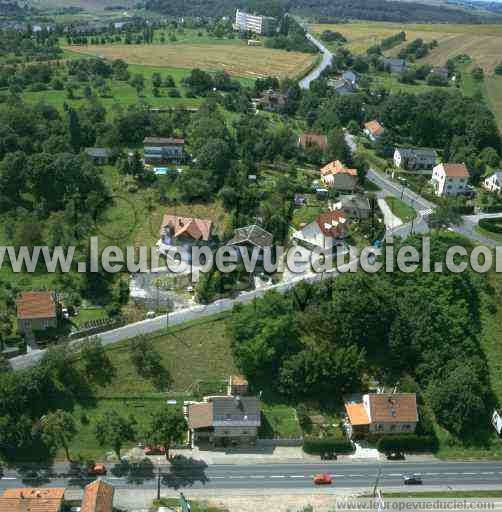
(200, 415)
(374, 127)
(35, 305)
(32, 500)
(336, 167)
(456, 170)
(357, 414)
(198, 229)
(98, 497)
(393, 407)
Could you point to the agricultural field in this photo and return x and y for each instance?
(481, 42)
(236, 59)
(493, 88)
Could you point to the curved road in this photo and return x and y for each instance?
(327, 56)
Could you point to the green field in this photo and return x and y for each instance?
(493, 88)
(400, 209)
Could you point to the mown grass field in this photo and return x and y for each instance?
(236, 59)
(482, 42)
(493, 88)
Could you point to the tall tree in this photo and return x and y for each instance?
(58, 429)
(166, 427)
(114, 430)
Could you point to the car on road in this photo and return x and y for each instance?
(96, 469)
(412, 480)
(395, 456)
(323, 479)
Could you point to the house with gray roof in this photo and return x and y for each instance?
(394, 66)
(355, 206)
(350, 76)
(342, 87)
(415, 159)
(251, 238)
(227, 420)
(99, 156)
(494, 182)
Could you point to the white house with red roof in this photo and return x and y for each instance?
(450, 179)
(36, 311)
(336, 175)
(374, 130)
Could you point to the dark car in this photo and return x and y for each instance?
(412, 480)
(395, 456)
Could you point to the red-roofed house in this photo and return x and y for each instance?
(98, 497)
(336, 175)
(374, 130)
(27, 499)
(450, 179)
(36, 311)
(186, 232)
(382, 413)
(326, 232)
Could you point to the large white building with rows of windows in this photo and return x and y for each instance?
(263, 25)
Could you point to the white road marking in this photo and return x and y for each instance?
(296, 476)
(277, 476)
(8, 478)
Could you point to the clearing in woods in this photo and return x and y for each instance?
(237, 60)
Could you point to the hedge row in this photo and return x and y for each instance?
(407, 443)
(315, 446)
(493, 225)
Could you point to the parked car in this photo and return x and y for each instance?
(412, 480)
(95, 469)
(395, 456)
(155, 450)
(323, 479)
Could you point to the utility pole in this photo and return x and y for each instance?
(158, 482)
(377, 481)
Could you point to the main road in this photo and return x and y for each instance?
(327, 57)
(346, 475)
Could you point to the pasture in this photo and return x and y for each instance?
(237, 59)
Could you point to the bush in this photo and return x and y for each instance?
(314, 446)
(492, 225)
(174, 93)
(407, 443)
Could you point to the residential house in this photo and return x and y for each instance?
(450, 179)
(373, 130)
(158, 150)
(355, 206)
(233, 419)
(394, 66)
(309, 140)
(350, 76)
(246, 22)
(184, 232)
(494, 182)
(326, 232)
(250, 238)
(98, 497)
(99, 156)
(336, 175)
(36, 311)
(415, 159)
(382, 413)
(28, 499)
(440, 71)
(342, 87)
(272, 101)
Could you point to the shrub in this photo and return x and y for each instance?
(315, 446)
(174, 93)
(493, 225)
(407, 443)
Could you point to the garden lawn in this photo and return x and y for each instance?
(400, 209)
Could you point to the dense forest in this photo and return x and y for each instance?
(378, 10)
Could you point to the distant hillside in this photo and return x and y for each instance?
(10, 8)
(377, 10)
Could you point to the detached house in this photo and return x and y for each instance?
(355, 206)
(373, 130)
(226, 420)
(415, 159)
(342, 86)
(158, 150)
(326, 232)
(98, 497)
(99, 156)
(185, 232)
(36, 311)
(272, 101)
(450, 179)
(336, 175)
(27, 499)
(250, 238)
(494, 182)
(394, 66)
(382, 413)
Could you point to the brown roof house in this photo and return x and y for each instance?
(98, 497)
(227, 420)
(313, 140)
(450, 179)
(382, 413)
(184, 232)
(36, 311)
(336, 175)
(28, 499)
(374, 130)
(326, 232)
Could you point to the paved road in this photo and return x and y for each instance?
(197, 475)
(327, 57)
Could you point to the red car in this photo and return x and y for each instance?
(323, 479)
(155, 450)
(94, 469)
